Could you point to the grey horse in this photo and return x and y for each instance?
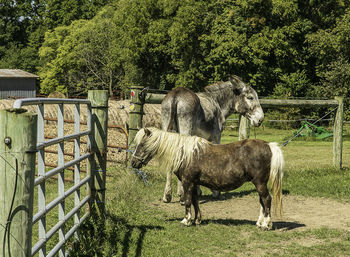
(204, 114)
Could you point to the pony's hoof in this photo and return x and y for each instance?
(198, 222)
(186, 222)
(264, 227)
(167, 198)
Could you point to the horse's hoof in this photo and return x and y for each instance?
(182, 201)
(180, 194)
(216, 194)
(199, 192)
(167, 198)
(198, 222)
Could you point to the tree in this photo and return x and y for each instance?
(81, 56)
(331, 50)
(279, 47)
(24, 24)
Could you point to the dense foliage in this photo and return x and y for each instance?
(283, 48)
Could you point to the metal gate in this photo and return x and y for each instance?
(68, 219)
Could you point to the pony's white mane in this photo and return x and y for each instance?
(171, 149)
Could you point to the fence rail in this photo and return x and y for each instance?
(140, 96)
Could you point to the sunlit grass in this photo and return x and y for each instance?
(298, 153)
(135, 227)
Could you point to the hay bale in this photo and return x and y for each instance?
(56, 95)
(118, 112)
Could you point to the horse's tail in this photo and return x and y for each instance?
(172, 126)
(276, 176)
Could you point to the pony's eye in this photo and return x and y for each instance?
(250, 98)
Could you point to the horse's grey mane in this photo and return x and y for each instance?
(224, 85)
(215, 86)
(219, 90)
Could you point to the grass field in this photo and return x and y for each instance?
(136, 226)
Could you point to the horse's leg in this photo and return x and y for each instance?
(197, 211)
(166, 120)
(167, 191)
(185, 127)
(216, 139)
(264, 220)
(188, 191)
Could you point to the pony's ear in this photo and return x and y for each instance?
(147, 131)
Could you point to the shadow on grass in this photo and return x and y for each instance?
(225, 196)
(229, 195)
(283, 225)
(277, 225)
(96, 239)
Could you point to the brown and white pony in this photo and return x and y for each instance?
(196, 161)
(204, 114)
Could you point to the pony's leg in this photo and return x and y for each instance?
(261, 217)
(180, 190)
(188, 191)
(167, 190)
(197, 211)
(264, 220)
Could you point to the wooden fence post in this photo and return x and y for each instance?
(244, 128)
(98, 163)
(338, 134)
(136, 112)
(18, 136)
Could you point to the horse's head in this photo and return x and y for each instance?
(247, 101)
(141, 155)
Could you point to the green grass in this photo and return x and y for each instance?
(51, 192)
(299, 154)
(134, 226)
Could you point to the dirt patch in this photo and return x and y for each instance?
(299, 212)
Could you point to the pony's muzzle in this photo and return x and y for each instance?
(136, 163)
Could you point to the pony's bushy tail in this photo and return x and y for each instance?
(276, 176)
